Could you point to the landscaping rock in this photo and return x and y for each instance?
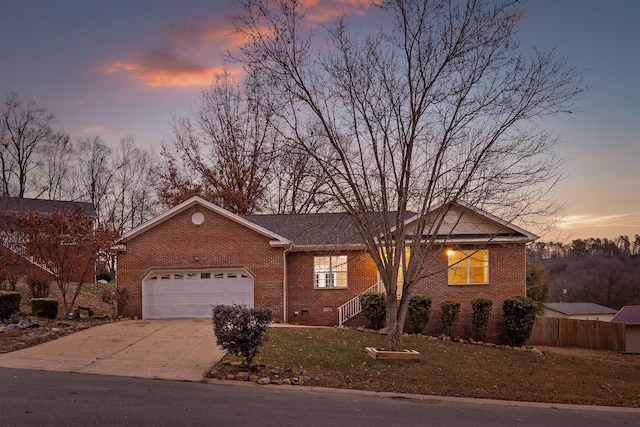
(286, 381)
(254, 378)
(242, 376)
(264, 381)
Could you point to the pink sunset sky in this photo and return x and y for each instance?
(124, 67)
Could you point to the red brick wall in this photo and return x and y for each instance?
(220, 242)
(217, 243)
(15, 265)
(507, 278)
(321, 305)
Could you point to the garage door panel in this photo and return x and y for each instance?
(191, 294)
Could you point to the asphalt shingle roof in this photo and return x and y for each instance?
(579, 308)
(313, 229)
(16, 204)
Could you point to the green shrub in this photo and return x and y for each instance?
(9, 303)
(240, 330)
(449, 315)
(374, 308)
(44, 307)
(419, 312)
(519, 316)
(480, 318)
(39, 286)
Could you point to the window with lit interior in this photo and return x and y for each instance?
(468, 267)
(330, 271)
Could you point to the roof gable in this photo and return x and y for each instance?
(465, 223)
(277, 240)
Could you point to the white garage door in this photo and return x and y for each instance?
(190, 294)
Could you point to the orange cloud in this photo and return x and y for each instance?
(183, 55)
(162, 69)
(189, 53)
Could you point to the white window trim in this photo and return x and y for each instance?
(331, 271)
(464, 263)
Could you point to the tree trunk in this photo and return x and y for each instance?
(394, 328)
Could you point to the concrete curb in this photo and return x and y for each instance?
(428, 398)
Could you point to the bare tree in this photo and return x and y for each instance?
(439, 105)
(130, 198)
(94, 173)
(25, 128)
(228, 143)
(296, 185)
(55, 168)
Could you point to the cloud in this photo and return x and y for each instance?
(161, 69)
(188, 54)
(579, 221)
(321, 11)
(182, 55)
(101, 130)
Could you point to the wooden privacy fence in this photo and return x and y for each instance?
(590, 334)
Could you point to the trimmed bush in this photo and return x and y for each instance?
(519, 316)
(9, 303)
(240, 330)
(449, 315)
(44, 307)
(419, 312)
(480, 318)
(374, 308)
(39, 286)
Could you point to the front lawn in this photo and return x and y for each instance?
(336, 358)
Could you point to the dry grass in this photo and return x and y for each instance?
(336, 358)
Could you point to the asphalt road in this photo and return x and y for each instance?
(38, 398)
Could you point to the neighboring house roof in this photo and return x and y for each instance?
(575, 308)
(17, 204)
(629, 314)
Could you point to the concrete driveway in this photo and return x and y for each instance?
(180, 349)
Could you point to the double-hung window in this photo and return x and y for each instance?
(330, 271)
(468, 267)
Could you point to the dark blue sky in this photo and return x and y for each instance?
(123, 67)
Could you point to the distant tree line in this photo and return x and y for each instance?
(38, 161)
(602, 271)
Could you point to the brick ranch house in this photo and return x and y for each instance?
(14, 261)
(307, 268)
